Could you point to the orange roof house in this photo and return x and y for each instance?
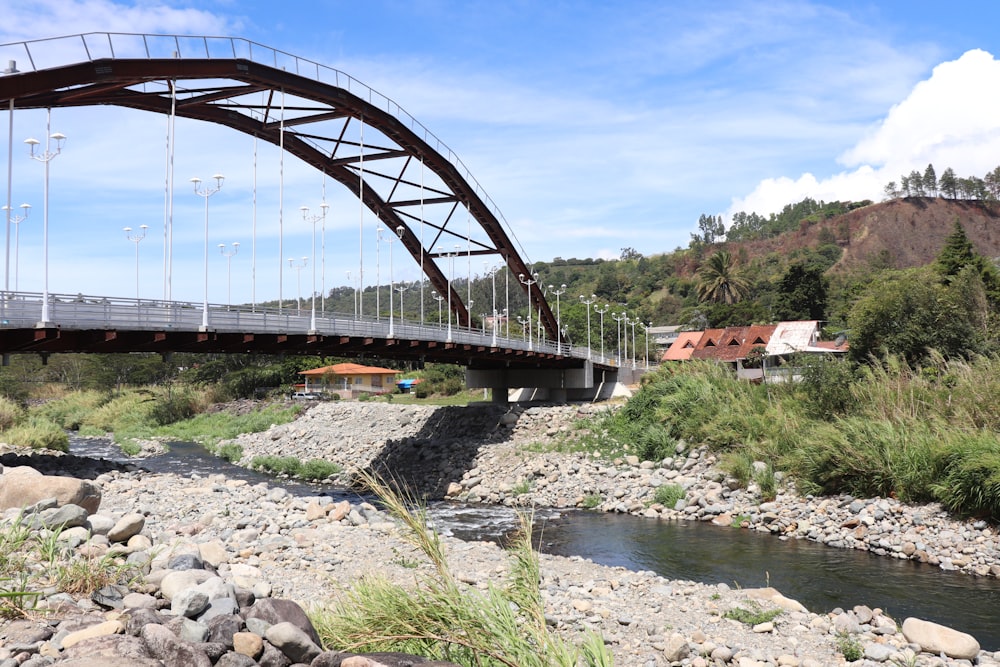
(352, 377)
(734, 344)
(681, 349)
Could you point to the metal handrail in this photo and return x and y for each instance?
(20, 310)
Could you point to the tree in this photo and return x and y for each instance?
(712, 228)
(909, 314)
(930, 180)
(892, 190)
(948, 184)
(801, 293)
(957, 252)
(720, 281)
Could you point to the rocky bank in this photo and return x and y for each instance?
(250, 545)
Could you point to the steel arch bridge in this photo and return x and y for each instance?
(323, 116)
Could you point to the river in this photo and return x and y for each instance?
(821, 578)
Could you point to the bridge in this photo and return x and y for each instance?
(404, 177)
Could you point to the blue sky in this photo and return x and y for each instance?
(594, 126)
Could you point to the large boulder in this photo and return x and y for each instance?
(934, 638)
(22, 486)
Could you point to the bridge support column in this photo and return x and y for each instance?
(551, 384)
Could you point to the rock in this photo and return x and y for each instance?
(677, 648)
(774, 597)
(166, 646)
(98, 630)
(277, 610)
(176, 581)
(21, 486)
(292, 641)
(188, 603)
(126, 527)
(248, 644)
(935, 638)
(67, 516)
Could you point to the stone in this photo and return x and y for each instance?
(126, 527)
(66, 516)
(774, 597)
(98, 630)
(292, 641)
(186, 562)
(676, 648)
(100, 524)
(233, 659)
(176, 581)
(194, 632)
(935, 638)
(249, 644)
(166, 646)
(878, 652)
(21, 486)
(277, 610)
(188, 603)
(213, 553)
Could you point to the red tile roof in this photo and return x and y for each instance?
(681, 349)
(349, 369)
(733, 343)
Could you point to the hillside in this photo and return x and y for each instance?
(900, 233)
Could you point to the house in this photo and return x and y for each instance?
(682, 347)
(349, 380)
(737, 347)
(796, 338)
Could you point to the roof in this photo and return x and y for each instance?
(682, 348)
(349, 369)
(734, 343)
(791, 337)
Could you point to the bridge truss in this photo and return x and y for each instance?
(399, 170)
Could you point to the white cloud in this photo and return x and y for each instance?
(948, 120)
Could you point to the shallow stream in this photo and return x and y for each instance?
(820, 577)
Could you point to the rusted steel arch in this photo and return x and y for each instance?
(114, 82)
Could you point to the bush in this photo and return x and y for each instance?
(230, 451)
(318, 470)
(70, 411)
(668, 495)
(38, 434)
(172, 408)
(277, 465)
(10, 413)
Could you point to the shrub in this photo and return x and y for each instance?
(10, 413)
(172, 408)
(277, 465)
(230, 451)
(591, 500)
(754, 615)
(38, 434)
(668, 495)
(318, 469)
(70, 411)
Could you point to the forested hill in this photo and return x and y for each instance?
(900, 233)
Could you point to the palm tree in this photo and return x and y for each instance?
(720, 281)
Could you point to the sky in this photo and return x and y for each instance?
(593, 126)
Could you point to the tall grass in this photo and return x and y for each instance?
(444, 619)
(915, 433)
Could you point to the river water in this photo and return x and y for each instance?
(822, 578)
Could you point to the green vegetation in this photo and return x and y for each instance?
(444, 619)
(917, 433)
(668, 495)
(591, 501)
(850, 647)
(312, 470)
(36, 433)
(754, 615)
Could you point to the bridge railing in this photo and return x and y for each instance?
(22, 310)
(52, 52)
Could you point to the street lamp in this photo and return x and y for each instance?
(136, 238)
(524, 324)
(645, 330)
(451, 272)
(378, 272)
(206, 192)
(401, 288)
(493, 284)
(559, 337)
(601, 311)
(45, 158)
(354, 294)
(16, 220)
(587, 302)
(437, 297)
(313, 219)
(229, 253)
(529, 282)
(298, 266)
(633, 323)
(618, 317)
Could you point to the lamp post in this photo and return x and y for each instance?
(16, 220)
(633, 323)
(618, 317)
(645, 330)
(313, 219)
(529, 282)
(298, 266)
(493, 285)
(354, 294)
(229, 253)
(601, 311)
(559, 336)
(437, 297)
(451, 271)
(136, 237)
(401, 288)
(378, 272)
(587, 302)
(45, 158)
(524, 324)
(205, 193)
